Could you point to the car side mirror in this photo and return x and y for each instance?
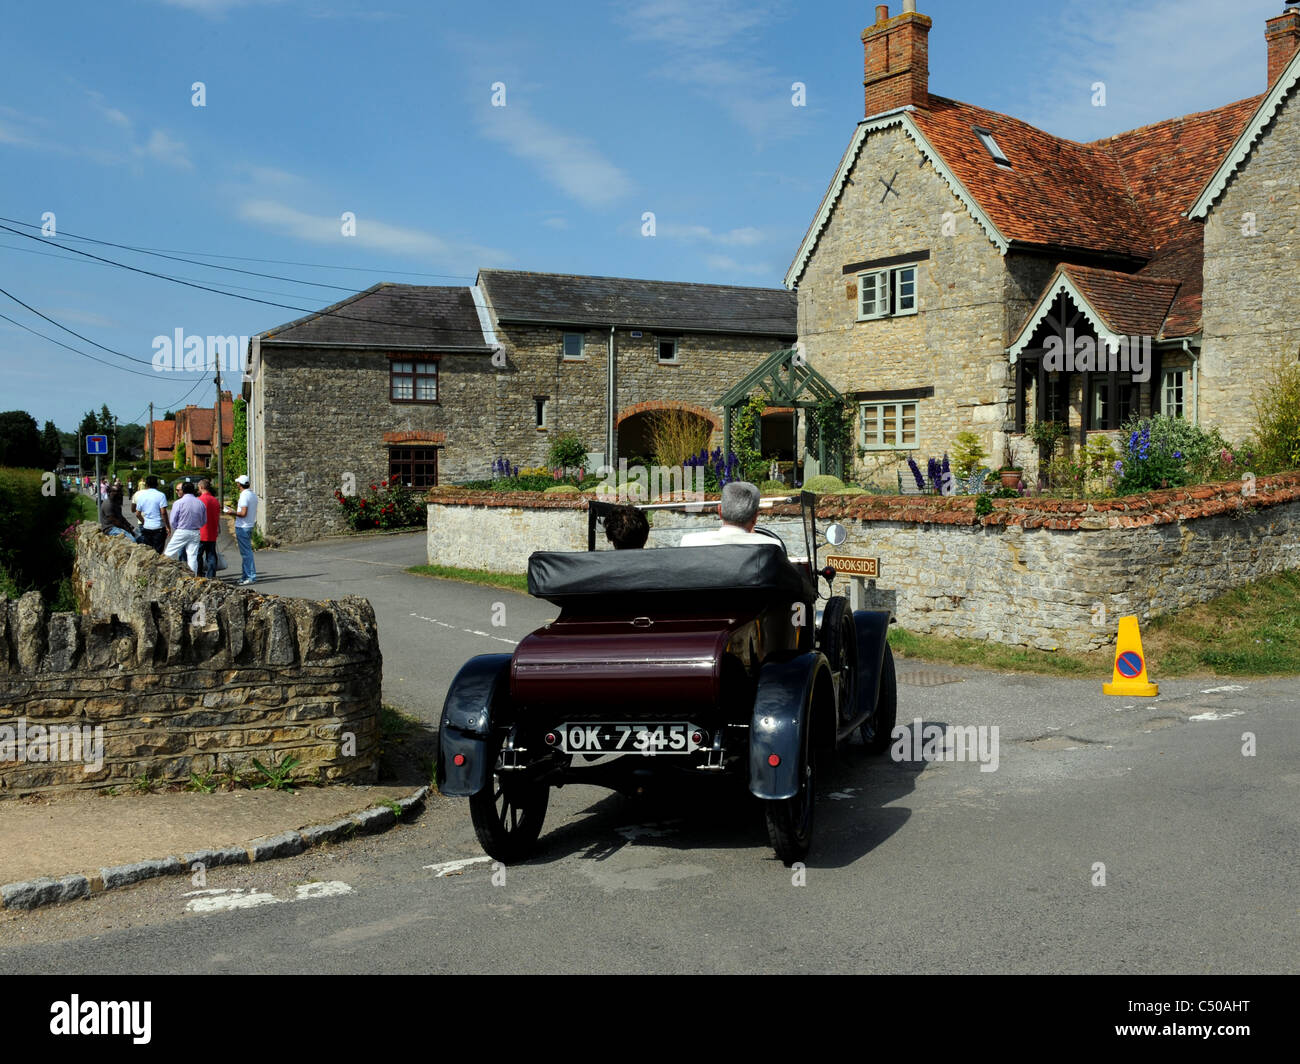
(836, 534)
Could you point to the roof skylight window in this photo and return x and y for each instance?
(986, 138)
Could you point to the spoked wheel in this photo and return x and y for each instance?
(790, 820)
(508, 815)
(839, 642)
(876, 729)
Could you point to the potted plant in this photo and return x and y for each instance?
(1010, 473)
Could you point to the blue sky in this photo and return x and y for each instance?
(384, 108)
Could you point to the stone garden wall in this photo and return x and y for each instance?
(182, 675)
(1035, 572)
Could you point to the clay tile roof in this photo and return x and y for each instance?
(1056, 192)
(1131, 304)
(200, 426)
(1122, 195)
(164, 434)
(227, 421)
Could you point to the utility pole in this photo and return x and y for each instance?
(221, 465)
(148, 439)
(114, 444)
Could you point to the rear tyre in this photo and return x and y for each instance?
(876, 729)
(790, 820)
(508, 814)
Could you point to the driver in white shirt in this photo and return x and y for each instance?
(739, 512)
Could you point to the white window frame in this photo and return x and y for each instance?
(889, 282)
(675, 360)
(582, 347)
(1166, 376)
(898, 443)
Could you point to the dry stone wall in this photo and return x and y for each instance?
(181, 675)
(1044, 573)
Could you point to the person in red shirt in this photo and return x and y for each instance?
(208, 534)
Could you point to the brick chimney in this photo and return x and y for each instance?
(1283, 36)
(897, 60)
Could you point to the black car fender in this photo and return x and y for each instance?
(872, 627)
(467, 718)
(791, 693)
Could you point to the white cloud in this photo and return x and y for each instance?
(726, 264)
(569, 162)
(214, 7)
(111, 114)
(163, 149)
(746, 236)
(370, 233)
(555, 222)
(707, 48)
(1159, 60)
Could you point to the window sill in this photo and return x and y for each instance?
(414, 402)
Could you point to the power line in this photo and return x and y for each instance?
(249, 258)
(69, 347)
(684, 324)
(83, 262)
(71, 332)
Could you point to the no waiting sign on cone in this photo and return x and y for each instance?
(1129, 676)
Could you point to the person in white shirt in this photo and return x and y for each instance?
(150, 505)
(245, 518)
(739, 513)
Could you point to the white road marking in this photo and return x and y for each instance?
(1220, 690)
(1212, 715)
(454, 868)
(839, 796)
(224, 900)
(332, 888)
(467, 631)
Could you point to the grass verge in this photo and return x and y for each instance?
(83, 509)
(509, 581)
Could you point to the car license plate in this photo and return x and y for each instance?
(628, 738)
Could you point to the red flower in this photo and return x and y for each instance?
(374, 487)
(363, 502)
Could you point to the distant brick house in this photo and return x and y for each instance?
(432, 383)
(192, 429)
(958, 250)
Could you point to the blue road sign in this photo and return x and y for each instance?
(97, 445)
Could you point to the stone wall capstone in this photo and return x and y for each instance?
(1043, 573)
(183, 675)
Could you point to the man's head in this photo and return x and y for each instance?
(205, 486)
(151, 481)
(739, 505)
(187, 488)
(115, 493)
(627, 528)
(242, 480)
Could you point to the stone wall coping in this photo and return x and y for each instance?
(1128, 511)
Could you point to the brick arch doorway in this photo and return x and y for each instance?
(636, 426)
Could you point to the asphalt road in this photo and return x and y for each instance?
(918, 866)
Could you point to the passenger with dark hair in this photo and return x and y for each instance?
(627, 528)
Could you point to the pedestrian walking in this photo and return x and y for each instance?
(245, 518)
(211, 529)
(151, 507)
(188, 518)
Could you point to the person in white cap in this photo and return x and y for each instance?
(245, 517)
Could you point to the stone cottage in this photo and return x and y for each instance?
(432, 383)
(966, 271)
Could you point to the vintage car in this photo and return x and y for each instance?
(663, 663)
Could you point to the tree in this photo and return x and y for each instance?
(236, 456)
(52, 445)
(20, 442)
(169, 416)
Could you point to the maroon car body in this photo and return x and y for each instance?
(665, 663)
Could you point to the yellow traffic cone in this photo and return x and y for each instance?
(1129, 676)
